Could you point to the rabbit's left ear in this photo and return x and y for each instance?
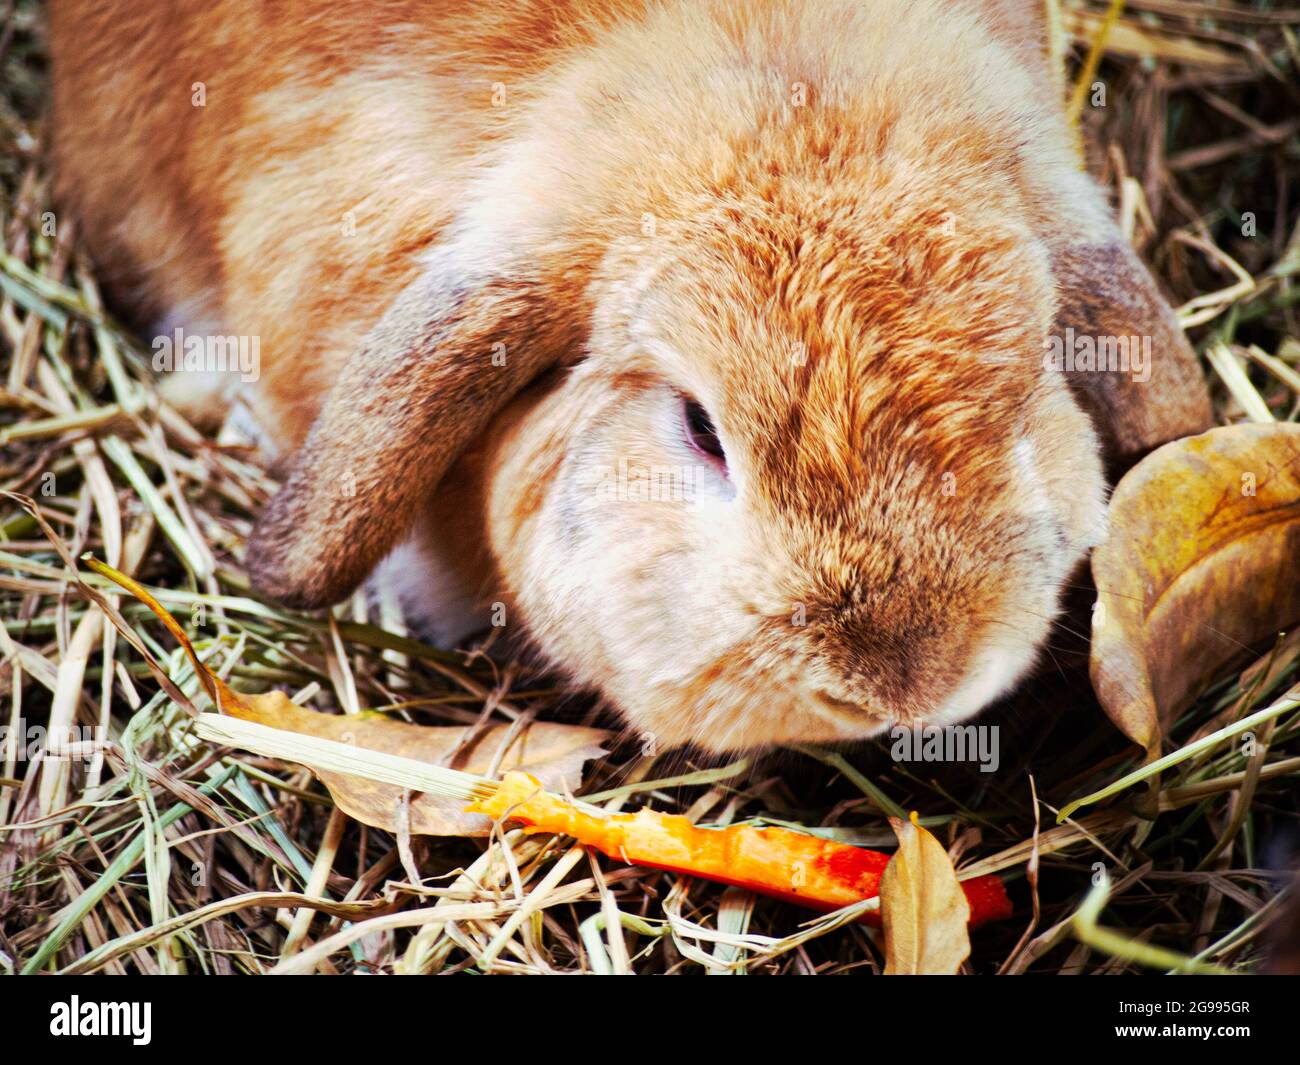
(455, 346)
(1106, 295)
(1110, 305)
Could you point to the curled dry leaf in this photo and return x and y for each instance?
(922, 906)
(552, 753)
(1201, 564)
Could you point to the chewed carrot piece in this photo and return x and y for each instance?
(794, 866)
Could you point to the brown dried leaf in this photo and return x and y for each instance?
(922, 907)
(1196, 570)
(553, 753)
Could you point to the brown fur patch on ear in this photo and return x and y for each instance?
(1106, 295)
(445, 357)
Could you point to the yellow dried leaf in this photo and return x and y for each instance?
(922, 907)
(1201, 564)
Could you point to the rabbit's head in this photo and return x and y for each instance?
(810, 480)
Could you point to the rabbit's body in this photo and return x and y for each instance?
(230, 215)
(846, 228)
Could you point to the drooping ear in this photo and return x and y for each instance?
(448, 354)
(1107, 295)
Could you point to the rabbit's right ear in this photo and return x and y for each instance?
(456, 345)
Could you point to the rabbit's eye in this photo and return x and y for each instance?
(700, 432)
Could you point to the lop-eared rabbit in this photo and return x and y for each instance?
(709, 338)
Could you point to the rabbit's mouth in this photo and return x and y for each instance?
(848, 717)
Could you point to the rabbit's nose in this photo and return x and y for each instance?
(908, 669)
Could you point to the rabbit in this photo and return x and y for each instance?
(703, 342)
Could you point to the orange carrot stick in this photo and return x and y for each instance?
(794, 866)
